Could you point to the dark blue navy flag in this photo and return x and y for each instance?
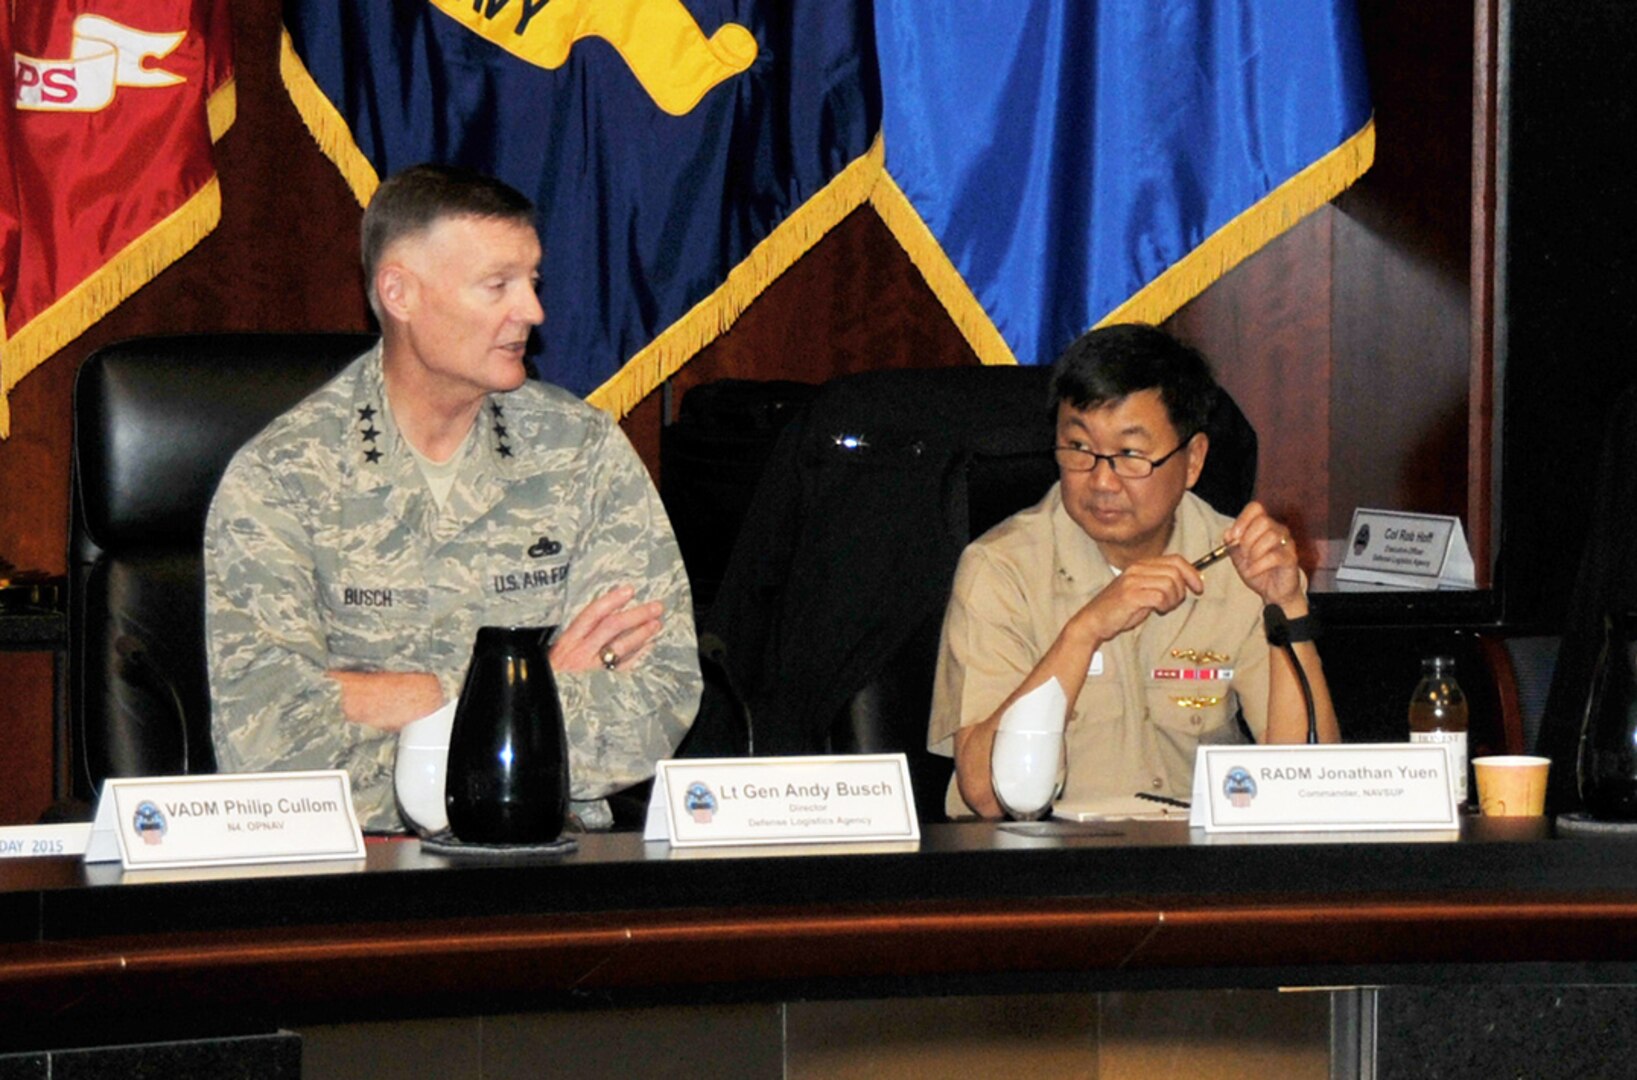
(1057, 164)
(681, 155)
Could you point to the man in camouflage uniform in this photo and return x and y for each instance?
(356, 544)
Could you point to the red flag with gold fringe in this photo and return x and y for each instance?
(8, 195)
(106, 167)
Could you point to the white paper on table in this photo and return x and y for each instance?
(1116, 808)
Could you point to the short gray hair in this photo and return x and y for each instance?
(414, 200)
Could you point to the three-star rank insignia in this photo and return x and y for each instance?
(369, 433)
(501, 446)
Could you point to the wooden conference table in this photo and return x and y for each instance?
(976, 908)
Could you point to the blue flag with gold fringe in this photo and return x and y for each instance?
(681, 155)
(1059, 164)
(1049, 165)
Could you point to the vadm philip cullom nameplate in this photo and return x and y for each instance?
(225, 820)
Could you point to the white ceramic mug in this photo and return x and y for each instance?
(423, 763)
(1025, 769)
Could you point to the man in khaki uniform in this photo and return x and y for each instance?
(1095, 587)
(356, 544)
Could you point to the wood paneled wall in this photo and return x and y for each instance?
(1345, 341)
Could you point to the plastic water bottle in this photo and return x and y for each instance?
(1438, 715)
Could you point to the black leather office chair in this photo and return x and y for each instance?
(832, 601)
(156, 421)
(1605, 584)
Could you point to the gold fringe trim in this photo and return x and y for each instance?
(1224, 249)
(947, 284)
(222, 109)
(103, 290)
(705, 321)
(1250, 231)
(327, 125)
(711, 317)
(121, 276)
(5, 403)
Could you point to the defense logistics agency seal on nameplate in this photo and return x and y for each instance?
(701, 802)
(1239, 787)
(149, 823)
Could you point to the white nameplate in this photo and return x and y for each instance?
(783, 800)
(40, 841)
(1357, 788)
(1413, 551)
(224, 820)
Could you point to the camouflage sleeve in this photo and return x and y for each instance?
(273, 707)
(621, 722)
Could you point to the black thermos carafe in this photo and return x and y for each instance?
(508, 754)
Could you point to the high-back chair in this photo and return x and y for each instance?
(156, 421)
(1606, 584)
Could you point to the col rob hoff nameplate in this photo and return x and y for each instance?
(853, 798)
(1410, 551)
(225, 820)
(1357, 788)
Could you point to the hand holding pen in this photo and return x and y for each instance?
(1152, 585)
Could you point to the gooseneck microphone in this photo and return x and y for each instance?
(715, 650)
(1277, 625)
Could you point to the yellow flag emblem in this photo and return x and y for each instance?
(659, 40)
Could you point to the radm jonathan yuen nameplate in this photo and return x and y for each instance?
(1364, 787)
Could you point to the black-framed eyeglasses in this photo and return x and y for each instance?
(1127, 465)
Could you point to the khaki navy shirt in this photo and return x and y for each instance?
(324, 549)
(1152, 695)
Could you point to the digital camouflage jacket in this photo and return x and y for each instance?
(324, 549)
